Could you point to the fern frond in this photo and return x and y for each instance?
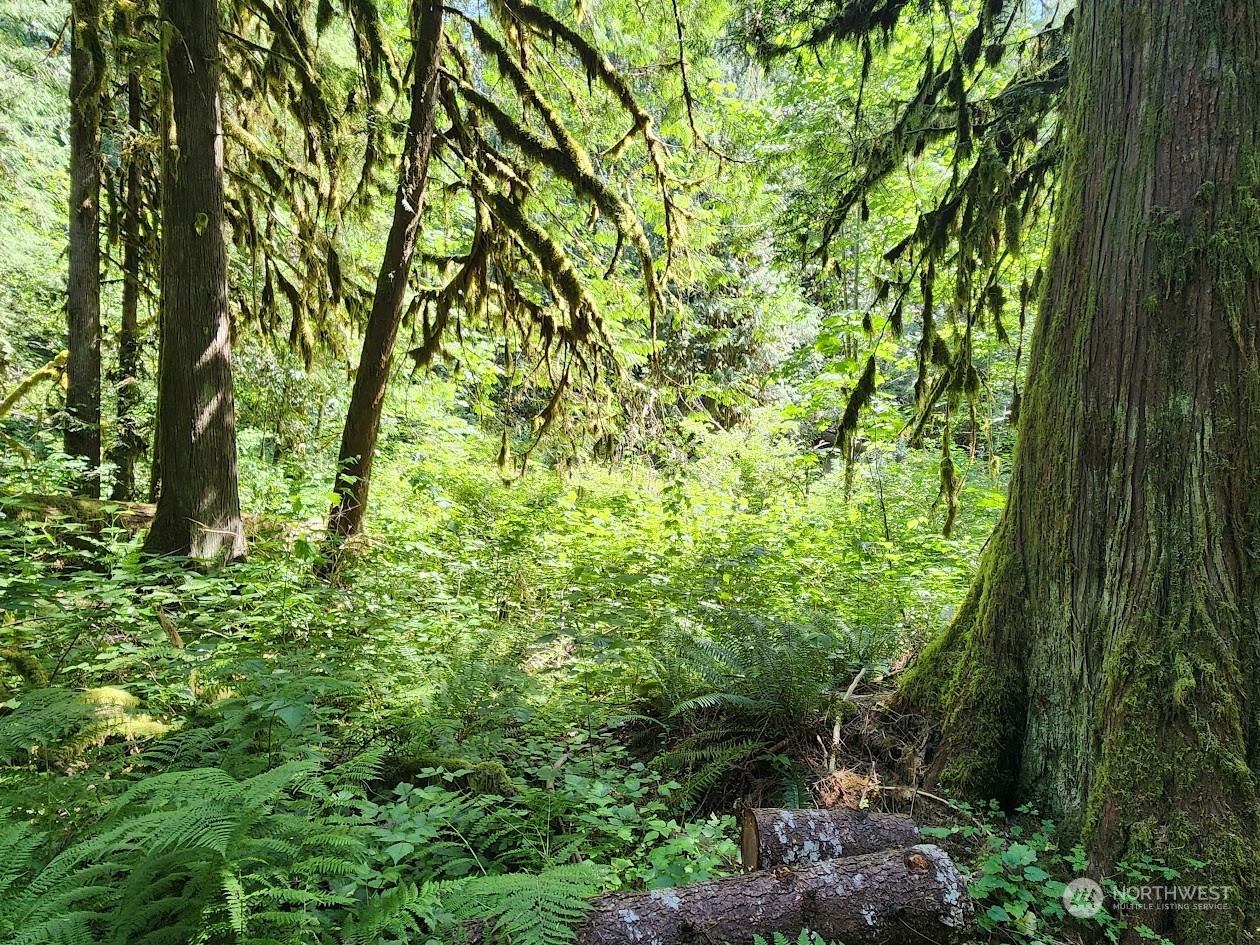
(715, 700)
(529, 909)
(394, 911)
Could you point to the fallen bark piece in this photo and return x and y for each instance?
(896, 897)
(796, 837)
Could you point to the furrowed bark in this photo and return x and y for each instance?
(897, 897)
(83, 291)
(198, 507)
(128, 444)
(1106, 663)
(363, 418)
(771, 838)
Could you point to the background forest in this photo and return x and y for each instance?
(699, 413)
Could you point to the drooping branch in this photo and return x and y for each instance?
(573, 165)
(599, 68)
(991, 115)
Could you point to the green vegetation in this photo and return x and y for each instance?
(572, 678)
(765, 403)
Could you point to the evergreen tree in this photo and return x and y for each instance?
(1104, 664)
(198, 507)
(83, 298)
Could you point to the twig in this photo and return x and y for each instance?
(848, 694)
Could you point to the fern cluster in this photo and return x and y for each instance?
(291, 855)
(542, 909)
(748, 696)
(185, 855)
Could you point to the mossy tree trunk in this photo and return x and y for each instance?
(1105, 665)
(128, 443)
(198, 506)
(83, 291)
(363, 418)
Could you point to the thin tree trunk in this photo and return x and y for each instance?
(363, 418)
(127, 443)
(1106, 663)
(83, 296)
(198, 508)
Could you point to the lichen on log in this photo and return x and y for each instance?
(795, 837)
(895, 897)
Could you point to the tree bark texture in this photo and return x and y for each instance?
(82, 437)
(198, 507)
(770, 838)
(363, 418)
(1105, 665)
(128, 444)
(897, 897)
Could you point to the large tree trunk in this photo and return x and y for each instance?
(83, 291)
(127, 441)
(198, 508)
(1105, 664)
(363, 419)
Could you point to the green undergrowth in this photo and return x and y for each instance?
(511, 698)
(1021, 879)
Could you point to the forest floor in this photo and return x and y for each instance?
(508, 698)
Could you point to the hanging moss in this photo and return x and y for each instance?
(950, 488)
(1003, 147)
(861, 396)
(574, 167)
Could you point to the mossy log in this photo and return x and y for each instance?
(78, 518)
(89, 515)
(895, 897)
(795, 837)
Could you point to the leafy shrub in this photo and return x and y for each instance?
(1019, 877)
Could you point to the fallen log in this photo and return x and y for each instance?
(895, 897)
(794, 837)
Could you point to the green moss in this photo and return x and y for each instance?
(1184, 684)
(490, 777)
(968, 682)
(26, 665)
(1233, 247)
(1170, 247)
(480, 777)
(1173, 780)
